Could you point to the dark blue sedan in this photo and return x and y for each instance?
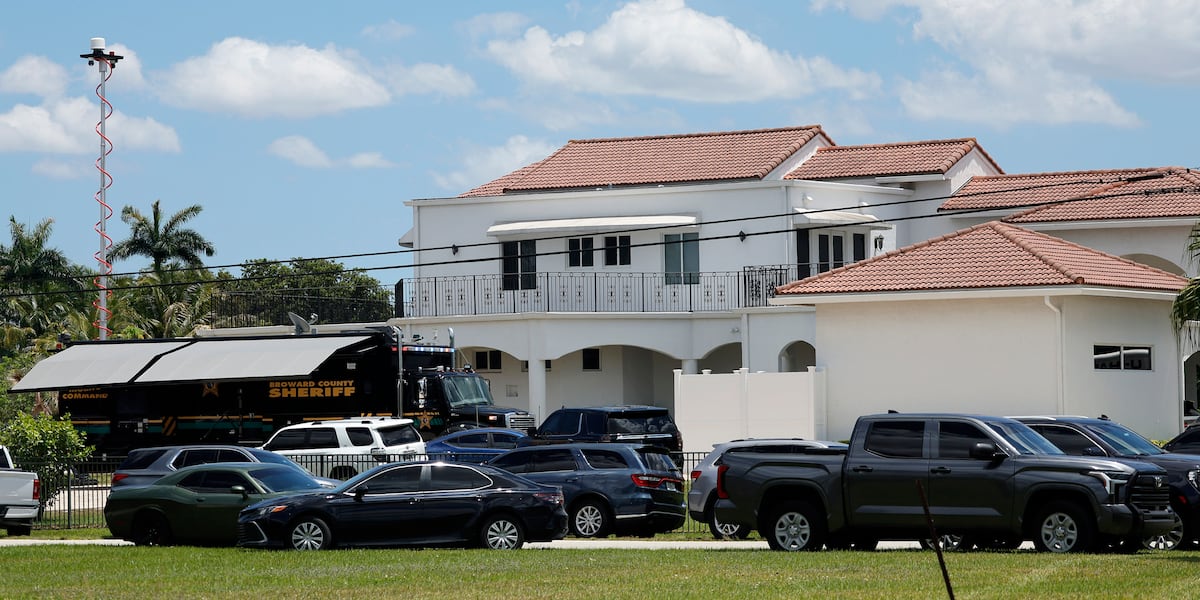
(411, 504)
(474, 445)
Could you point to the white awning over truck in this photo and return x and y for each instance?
(126, 363)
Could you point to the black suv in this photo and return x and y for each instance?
(628, 424)
(608, 488)
(1084, 436)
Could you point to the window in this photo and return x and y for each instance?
(487, 360)
(899, 439)
(451, 477)
(831, 251)
(1124, 358)
(359, 436)
(955, 439)
(605, 459)
(394, 481)
(681, 257)
(616, 250)
(561, 423)
(1068, 440)
(399, 435)
(519, 265)
(579, 252)
(525, 366)
(591, 359)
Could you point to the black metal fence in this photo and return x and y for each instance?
(73, 496)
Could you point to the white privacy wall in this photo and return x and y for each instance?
(718, 407)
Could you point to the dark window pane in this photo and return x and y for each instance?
(359, 436)
(1107, 357)
(803, 253)
(1135, 358)
(605, 459)
(860, 247)
(591, 359)
(902, 439)
(956, 439)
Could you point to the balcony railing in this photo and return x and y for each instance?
(593, 292)
(469, 295)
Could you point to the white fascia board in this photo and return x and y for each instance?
(912, 178)
(1110, 224)
(980, 294)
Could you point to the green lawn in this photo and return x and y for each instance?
(60, 571)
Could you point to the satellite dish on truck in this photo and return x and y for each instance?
(302, 326)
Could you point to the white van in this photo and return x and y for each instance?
(344, 448)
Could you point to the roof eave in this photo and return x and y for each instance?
(973, 294)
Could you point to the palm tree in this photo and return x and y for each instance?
(1186, 308)
(27, 264)
(162, 241)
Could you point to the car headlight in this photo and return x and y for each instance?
(1193, 478)
(269, 509)
(1114, 482)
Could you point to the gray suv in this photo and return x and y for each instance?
(144, 466)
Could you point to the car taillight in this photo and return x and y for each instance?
(550, 497)
(656, 481)
(119, 476)
(37, 489)
(721, 493)
(695, 475)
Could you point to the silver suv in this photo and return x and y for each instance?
(345, 447)
(703, 492)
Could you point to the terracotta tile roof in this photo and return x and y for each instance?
(990, 255)
(1175, 194)
(878, 160)
(721, 156)
(1007, 191)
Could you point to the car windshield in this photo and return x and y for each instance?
(1024, 439)
(465, 392)
(1126, 441)
(279, 479)
(641, 423)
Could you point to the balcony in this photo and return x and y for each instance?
(592, 292)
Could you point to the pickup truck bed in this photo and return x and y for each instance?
(19, 492)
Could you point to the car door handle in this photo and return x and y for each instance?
(940, 470)
(862, 469)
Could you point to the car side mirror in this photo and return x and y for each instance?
(359, 492)
(987, 451)
(237, 489)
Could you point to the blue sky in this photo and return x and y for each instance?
(302, 127)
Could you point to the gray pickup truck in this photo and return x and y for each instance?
(18, 496)
(991, 480)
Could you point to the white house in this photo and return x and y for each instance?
(591, 276)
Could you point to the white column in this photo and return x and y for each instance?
(690, 366)
(537, 388)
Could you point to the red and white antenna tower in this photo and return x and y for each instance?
(107, 63)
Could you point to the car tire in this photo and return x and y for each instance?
(151, 529)
(794, 526)
(951, 542)
(14, 530)
(727, 531)
(1171, 540)
(1063, 527)
(590, 519)
(502, 532)
(309, 533)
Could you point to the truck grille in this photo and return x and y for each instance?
(1150, 493)
(521, 422)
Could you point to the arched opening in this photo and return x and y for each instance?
(797, 356)
(1191, 387)
(723, 359)
(1154, 261)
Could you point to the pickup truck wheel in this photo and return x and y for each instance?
(795, 526)
(1170, 540)
(727, 531)
(1063, 527)
(589, 519)
(951, 542)
(20, 530)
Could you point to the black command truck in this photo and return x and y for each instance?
(991, 480)
(238, 386)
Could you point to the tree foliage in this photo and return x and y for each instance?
(162, 240)
(268, 290)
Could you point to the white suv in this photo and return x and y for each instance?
(343, 448)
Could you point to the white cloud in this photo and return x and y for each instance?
(663, 48)
(485, 164)
(302, 151)
(55, 169)
(1042, 61)
(68, 126)
(506, 23)
(253, 79)
(427, 78)
(35, 75)
(391, 30)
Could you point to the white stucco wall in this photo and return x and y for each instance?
(718, 407)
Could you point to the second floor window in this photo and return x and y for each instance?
(519, 264)
(616, 250)
(579, 252)
(681, 258)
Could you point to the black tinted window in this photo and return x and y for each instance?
(199, 456)
(400, 479)
(658, 461)
(1188, 441)
(561, 423)
(504, 440)
(552, 460)
(471, 440)
(141, 459)
(605, 459)
(641, 423)
(955, 439)
(359, 436)
(399, 435)
(513, 463)
(903, 439)
(1066, 439)
(322, 437)
(449, 477)
(287, 440)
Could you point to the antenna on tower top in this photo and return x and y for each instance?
(107, 62)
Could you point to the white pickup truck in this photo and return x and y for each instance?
(19, 492)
